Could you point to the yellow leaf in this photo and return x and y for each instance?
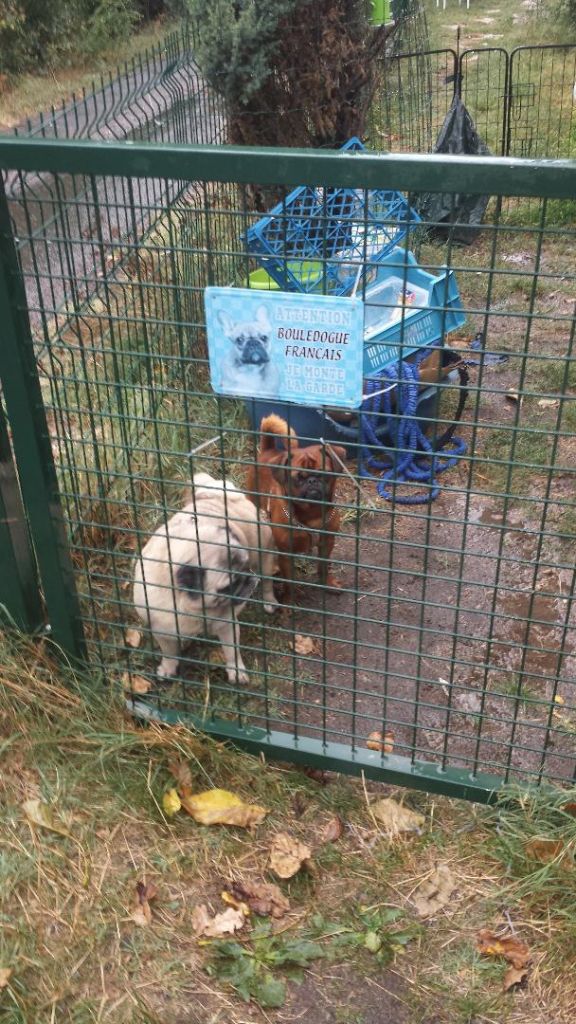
(395, 817)
(512, 949)
(219, 807)
(40, 814)
(287, 855)
(226, 923)
(135, 684)
(558, 699)
(171, 803)
(5, 975)
(133, 637)
(377, 741)
(231, 901)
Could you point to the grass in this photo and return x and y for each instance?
(77, 955)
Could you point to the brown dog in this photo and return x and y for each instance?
(295, 486)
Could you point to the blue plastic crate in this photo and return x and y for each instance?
(407, 309)
(329, 238)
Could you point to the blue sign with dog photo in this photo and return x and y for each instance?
(281, 345)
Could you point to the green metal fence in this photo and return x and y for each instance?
(455, 627)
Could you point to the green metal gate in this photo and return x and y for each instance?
(454, 632)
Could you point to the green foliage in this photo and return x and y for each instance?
(238, 41)
(293, 72)
(37, 33)
(251, 971)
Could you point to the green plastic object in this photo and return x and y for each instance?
(310, 270)
(381, 13)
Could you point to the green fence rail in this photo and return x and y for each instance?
(455, 627)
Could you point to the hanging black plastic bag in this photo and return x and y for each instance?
(457, 135)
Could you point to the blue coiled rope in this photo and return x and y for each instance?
(413, 458)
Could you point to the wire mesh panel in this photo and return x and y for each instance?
(413, 98)
(427, 583)
(484, 78)
(541, 119)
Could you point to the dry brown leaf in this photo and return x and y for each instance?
(570, 809)
(226, 923)
(40, 814)
(263, 898)
(181, 774)
(219, 807)
(317, 775)
(395, 817)
(377, 741)
(5, 975)
(305, 644)
(287, 855)
(548, 403)
(434, 893)
(135, 684)
(332, 830)
(546, 850)
(514, 976)
(133, 637)
(142, 913)
(512, 949)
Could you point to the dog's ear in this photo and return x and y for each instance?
(278, 467)
(190, 577)
(226, 322)
(340, 453)
(262, 319)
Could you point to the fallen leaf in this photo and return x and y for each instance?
(332, 830)
(226, 923)
(135, 684)
(434, 893)
(133, 637)
(305, 644)
(287, 855)
(512, 949)
(42, 815)
(548, 403)
(171, 803)
(181, 774)
(317, 775)
(514, 396)
(558, 699)
(395, 817)
(238, 904)
(142, 914)
(514, 976)
(263, 898)
(219, 807)
(570, 809)
(377, 741)
(5, 975)
(546, 850)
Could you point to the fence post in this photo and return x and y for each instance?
(30, 439)
(20, 598)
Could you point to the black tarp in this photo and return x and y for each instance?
(458, 135)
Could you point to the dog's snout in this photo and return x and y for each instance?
(254, 351)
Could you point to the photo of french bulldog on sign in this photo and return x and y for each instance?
(247, 367)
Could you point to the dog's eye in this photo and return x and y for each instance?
(263, 337)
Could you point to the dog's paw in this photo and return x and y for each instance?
(167, 668)
(271, 606)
